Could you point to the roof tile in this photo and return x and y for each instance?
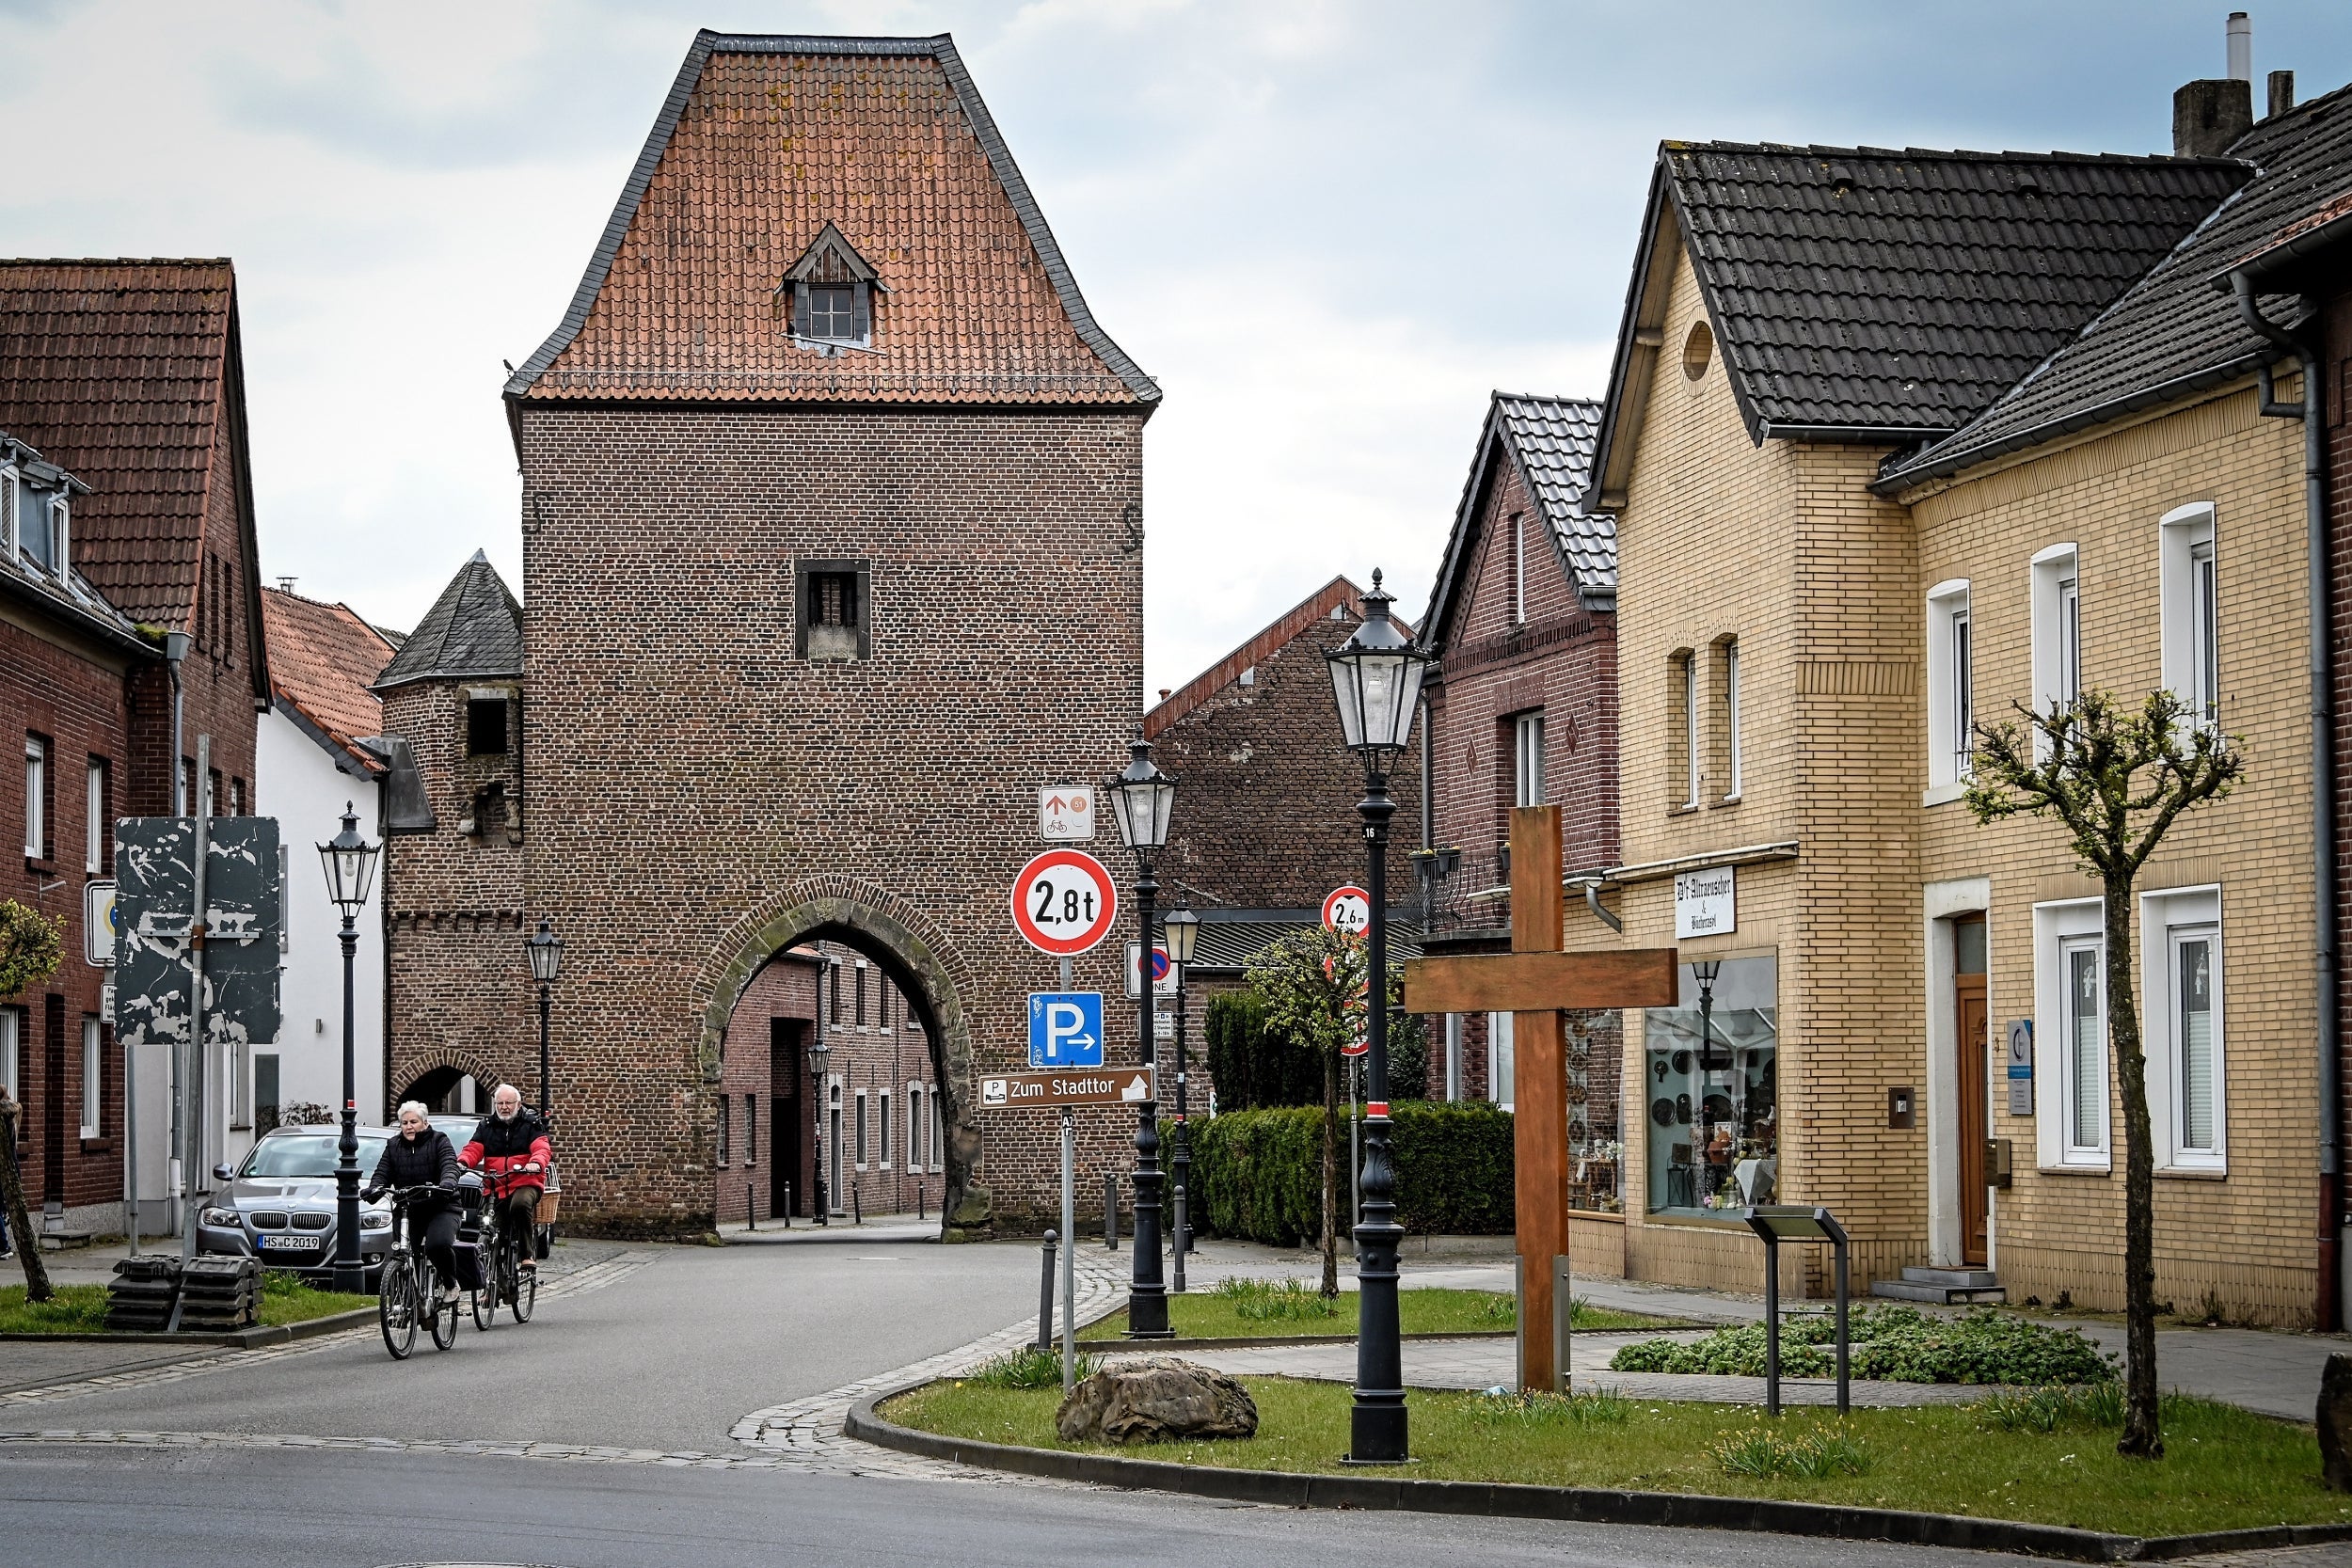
(323, 658)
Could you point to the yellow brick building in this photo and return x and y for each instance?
(1893, 440)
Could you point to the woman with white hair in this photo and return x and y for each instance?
(422, 1157)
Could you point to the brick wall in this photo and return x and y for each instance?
(715, 800)
(72, 692)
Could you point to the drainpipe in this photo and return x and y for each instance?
(2327, 1306)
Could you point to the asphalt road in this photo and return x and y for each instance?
(66, 1508)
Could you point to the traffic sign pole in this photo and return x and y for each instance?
(1069, 1248)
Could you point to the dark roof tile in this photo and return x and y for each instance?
(474, 629)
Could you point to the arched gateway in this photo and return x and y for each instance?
(831, 526)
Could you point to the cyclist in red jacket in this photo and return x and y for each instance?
(511, 1147)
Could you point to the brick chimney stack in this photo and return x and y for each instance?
(2208, 116)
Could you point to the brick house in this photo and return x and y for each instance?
(1264, 824)
(1522, 711)
(832, 540)
(68, 660)
(2001, 483)
(130, 375)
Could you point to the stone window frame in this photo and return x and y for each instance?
(804, 590)
(863, 1149)
(883, 1146)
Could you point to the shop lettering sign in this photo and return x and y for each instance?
(1704, 904)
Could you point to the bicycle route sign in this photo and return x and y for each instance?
(1064, 902)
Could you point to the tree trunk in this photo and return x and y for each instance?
(2142, 1437)
(12, 1194)
(1330, 1175)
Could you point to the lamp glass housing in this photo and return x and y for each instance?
(1180, 930)
(547, 953)
(1376, 679)
(349, 861)
(1142, 799)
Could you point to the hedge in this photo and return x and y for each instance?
(1256, 1069)
(1258, 1175)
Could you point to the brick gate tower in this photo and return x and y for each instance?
(832, 554)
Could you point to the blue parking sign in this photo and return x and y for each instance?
(1066, 1028)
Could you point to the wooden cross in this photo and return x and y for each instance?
(1533, 982)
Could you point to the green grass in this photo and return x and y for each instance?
(1220, 1315)
(82, 1308)
(2224, 1468)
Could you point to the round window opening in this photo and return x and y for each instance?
(1697, 349)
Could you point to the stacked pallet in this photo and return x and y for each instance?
(139, 1299)
(218, 1294)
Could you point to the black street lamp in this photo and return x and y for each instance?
(1142, 799)
(1182, 928)
(349, 861)
(819, 1058)
(1376, 676)
(1705, 971)
(547, 961)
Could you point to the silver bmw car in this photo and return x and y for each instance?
(279, 1204)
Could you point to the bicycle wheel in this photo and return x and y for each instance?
(444, 1318)
(484, 1299)
(396, 1308)
(524, 1283)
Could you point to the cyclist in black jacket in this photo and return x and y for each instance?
(423, 1157)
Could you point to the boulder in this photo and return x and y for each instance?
(2335, 1423)
(1153, 1399)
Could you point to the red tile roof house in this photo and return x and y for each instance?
(312, 766)
(128, 374)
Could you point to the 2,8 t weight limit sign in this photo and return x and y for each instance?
(1064, 902)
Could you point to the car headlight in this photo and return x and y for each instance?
(221, 1216)
(375, 1222)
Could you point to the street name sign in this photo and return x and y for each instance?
(1347, 911)
(1066, 1028)
(1039, 1091)
(1065, 814)
(1064, 902)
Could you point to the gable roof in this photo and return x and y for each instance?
(1871, 293)
(323, 658)
(2177, 331)
(1551, 440)
(1336, 600)
(761, 143)
(832, 259)
(473, 630)
(125, 373)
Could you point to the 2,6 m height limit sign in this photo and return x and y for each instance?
(1064, 902)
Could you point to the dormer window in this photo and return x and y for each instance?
(830, 292)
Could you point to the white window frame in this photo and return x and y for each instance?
(2168, 917)
(93, 1079)
(1950, 689)
(833, 1139)
(94, 822)
(2056, 596)
(8, 483)
(12, 1030)
(1731, 715)
(939, 1133)
(61, 534)
(916, 1151)
(1502, 1056)
(1694, 754)
(2190, 611)
(882, 1146)
(861, 1150)
(37, 762)
(2063, 927)
(1527, 782)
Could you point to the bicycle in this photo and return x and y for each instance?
(505, 1281)
(407, 1291)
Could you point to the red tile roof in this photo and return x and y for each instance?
(323, 658)
(1336, 600)
(115, 369)
(764, 141)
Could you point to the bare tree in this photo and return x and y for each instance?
(2116, 781)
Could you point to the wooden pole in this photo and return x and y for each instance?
(1539, 1092)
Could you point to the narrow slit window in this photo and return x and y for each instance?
(1529, 760)
(2205, 627)
(94, 828)
(1518, 568)
(1731, 718)
(884, 1129)
(1963, 697)
(1693, 767)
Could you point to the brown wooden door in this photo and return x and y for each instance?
(1969, 991)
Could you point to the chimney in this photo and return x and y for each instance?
(2209, 116)
(2241, 48)
(2282, 91)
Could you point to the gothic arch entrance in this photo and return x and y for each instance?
(919, 963)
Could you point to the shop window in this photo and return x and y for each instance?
(93, 1079)
(2191, 610)
(1951, 690)
(2181, 953)
(1710, 1084)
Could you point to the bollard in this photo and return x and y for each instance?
(918, 1202)
(857, 1205)
(788, 1205)
(1110, 1210)
(751, 1208)
(1045, 1298)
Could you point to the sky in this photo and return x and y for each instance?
(1329, 230)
